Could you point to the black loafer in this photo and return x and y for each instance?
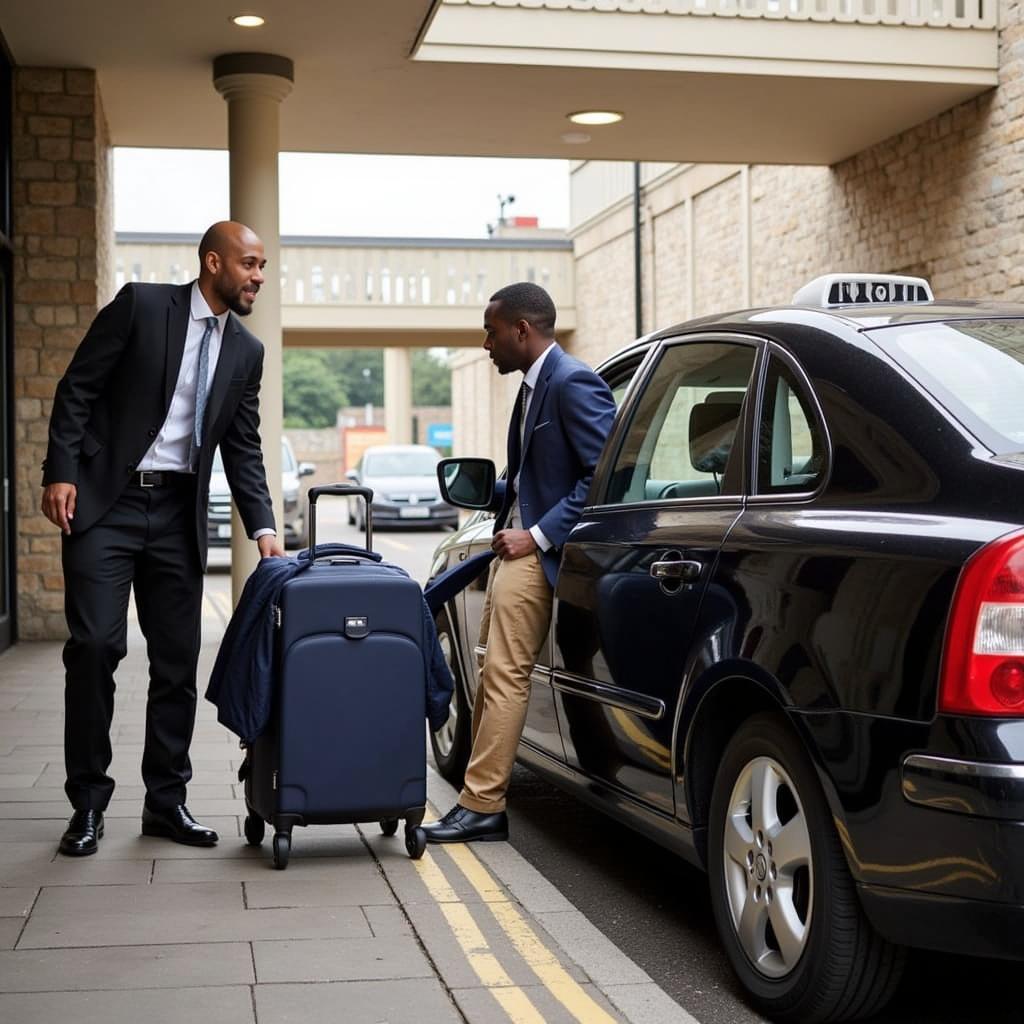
(83, 834)
(461, 825)
(176, 823)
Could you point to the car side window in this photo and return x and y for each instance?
(791, 448)
(683, 433)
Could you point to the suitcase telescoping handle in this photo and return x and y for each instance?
(342, 490)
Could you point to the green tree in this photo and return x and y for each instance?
(312, 392)
(347, 366)
(431, 378)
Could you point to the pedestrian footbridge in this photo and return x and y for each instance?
(380, 292)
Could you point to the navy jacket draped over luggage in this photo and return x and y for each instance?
(242, 681)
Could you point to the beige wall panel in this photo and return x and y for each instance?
(671, 268)
(604, 300)
(718, 248)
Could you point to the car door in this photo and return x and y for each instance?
(635, 569)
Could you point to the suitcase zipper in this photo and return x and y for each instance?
(273, 781)
(277, 616)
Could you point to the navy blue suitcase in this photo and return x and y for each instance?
(346, 740)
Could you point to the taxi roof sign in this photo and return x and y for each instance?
(862, 289)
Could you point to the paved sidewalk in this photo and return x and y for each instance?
(150, 931)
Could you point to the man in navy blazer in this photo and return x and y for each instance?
(559, 426)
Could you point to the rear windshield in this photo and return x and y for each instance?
(974, 368)
(400, 464)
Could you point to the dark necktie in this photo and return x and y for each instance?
(524, 396)
(201, 376)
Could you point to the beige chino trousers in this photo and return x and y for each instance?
(513, 627)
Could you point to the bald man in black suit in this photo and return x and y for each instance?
(164, 375)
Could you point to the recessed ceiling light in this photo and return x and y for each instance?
(595, 117)
(575, 138)
(248, 20)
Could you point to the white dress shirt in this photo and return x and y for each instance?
(530, 379)
(171, 448)
(170, 451)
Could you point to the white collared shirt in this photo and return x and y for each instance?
(170, 451)
(171, 448)
(530, 379)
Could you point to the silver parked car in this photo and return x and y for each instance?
(403, 478)
(296, 532)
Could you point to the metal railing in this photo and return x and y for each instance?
(931, 13)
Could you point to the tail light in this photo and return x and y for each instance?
(983, 661)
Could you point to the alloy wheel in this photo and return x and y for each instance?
(766, 851)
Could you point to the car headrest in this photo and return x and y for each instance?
(712, 430)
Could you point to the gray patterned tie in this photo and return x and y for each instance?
(202, 373)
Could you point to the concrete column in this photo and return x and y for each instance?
(254, 85)
(398, 395)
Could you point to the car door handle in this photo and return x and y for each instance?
(679, 569)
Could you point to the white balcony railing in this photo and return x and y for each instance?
(396, 274)
(936, 13)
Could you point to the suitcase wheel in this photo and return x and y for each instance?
(254, 828)
(415, 842)
(389, 826)
(282, 849)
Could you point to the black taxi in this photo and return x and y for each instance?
(788, 631)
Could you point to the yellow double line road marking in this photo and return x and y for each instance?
(545, 964)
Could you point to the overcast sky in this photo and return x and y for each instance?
(332, 194)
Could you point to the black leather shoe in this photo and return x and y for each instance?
(177, 824)
(83, 834)
(461, 825)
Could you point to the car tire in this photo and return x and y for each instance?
(451, 743)
(825, 962)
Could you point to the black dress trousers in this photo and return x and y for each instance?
(147, 539)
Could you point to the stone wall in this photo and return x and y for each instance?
(63, 244)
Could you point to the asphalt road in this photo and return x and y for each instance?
(655, 907)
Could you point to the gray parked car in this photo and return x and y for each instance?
(403, 478)
(296, 532)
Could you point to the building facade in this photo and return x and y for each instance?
(896, 147)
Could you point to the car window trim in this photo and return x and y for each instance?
(754, 498)
(626, 413)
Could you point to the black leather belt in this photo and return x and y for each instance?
(160, 478)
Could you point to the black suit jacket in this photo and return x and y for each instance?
(114, 398)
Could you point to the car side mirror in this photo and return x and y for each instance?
(306, 469)
(467, 483)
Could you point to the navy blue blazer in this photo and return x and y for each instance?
(568, 422)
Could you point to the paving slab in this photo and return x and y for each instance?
(134, 915)
(388, 921)
(91, 870)
(17, 902)
(126, 967)
(10, 930)
(227, 1005)
(332, 871)
(356, 1002)
(319, 960)
(354, 889)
